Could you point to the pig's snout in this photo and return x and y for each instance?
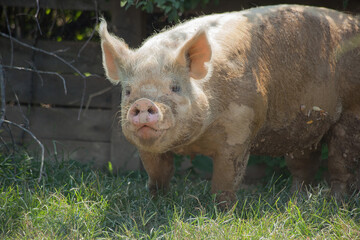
(144, 112)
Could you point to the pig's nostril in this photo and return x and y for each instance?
(136, 112)
(151, 111)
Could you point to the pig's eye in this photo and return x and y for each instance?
(175, 88)
(127, 91)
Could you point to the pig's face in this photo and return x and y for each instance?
(163, 101)
(161, 107)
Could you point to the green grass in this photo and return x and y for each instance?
(73, 201)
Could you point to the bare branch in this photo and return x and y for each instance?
(82, 99)
(61, 50)
(8, 130)
(91, 96)
(27, 122)
(36, 16)
(2, 94)
(38, 142)
(93, 31)
(60, 59)
(11, 41)
(4, 143)
(45, 52)
(81, 49)
(3, 120)
(39, 72)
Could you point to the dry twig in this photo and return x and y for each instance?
(57, 57)
(11, 42)
(91, 96)
(39, 72)
(3, 120)
(2, 94)
(38, 142)
(36, 16)
(44, 52)
(27, 122)
(93, 31)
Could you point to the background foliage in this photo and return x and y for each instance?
(54, 24)
(171, 8)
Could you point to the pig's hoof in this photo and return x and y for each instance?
(226, 200)
(155, 191)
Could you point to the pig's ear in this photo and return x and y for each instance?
(195, 53)
(114, 53)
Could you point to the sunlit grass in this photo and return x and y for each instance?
(76, 202)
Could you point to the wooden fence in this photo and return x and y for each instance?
(53, 115)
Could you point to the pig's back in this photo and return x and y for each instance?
(220, 26)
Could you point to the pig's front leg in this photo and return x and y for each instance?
(229, 170)
(160, 169)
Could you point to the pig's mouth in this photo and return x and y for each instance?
(146, 132)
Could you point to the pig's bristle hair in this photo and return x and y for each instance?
(102, 26)
(103, 30)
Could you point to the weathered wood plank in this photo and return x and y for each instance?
(59, 4)
(89, 60)
(62, 124)
(19, 83)
(97, 153)
(51, 91)
(124, 156)
(128, 24)
(21, 55)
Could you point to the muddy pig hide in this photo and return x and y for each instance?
(276, 80)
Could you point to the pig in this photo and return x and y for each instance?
(275, 80)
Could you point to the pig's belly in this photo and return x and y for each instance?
(302, 133)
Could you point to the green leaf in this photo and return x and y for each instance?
(167, 9)
(79, 36)
(77, 15)
(139, 4)
(110, 167)
(177, 4)
(123, 3)
(149, 7)
(160, 3)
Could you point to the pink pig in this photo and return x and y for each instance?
(277, 81)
